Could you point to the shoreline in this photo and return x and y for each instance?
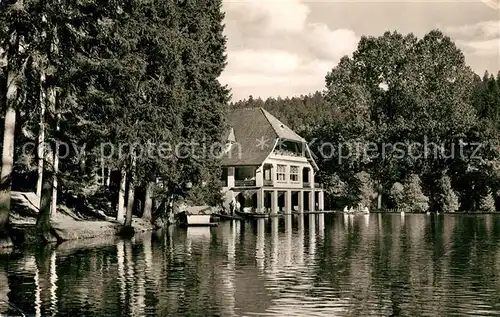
(65, 226)
(24, 233)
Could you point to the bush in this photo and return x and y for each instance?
(447, 200)
(413, 198)
(366, 192)
(487, 203)
(397, 194)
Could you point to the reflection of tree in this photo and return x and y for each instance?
(120, 257)
(4, 290)
(434, 265)
(43, 266)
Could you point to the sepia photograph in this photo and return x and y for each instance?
(243, 158)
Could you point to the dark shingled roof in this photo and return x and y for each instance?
(249, 126)
(255, 131)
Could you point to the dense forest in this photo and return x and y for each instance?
(86, 85)
(404, 120)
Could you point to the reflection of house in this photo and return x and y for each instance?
(267, 166)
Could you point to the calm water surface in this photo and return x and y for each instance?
(314, 265)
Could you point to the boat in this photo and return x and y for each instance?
(227, 217)
(251, 215)
(196, 216)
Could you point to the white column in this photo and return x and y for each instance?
(260, 199)
(311, 177)
(321, 198)
(288, 201)
(274, 202)
(311, 201)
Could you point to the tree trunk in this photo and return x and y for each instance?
(108, 180)
(120, 216)
(41, 143)
(83, 164)
(43, 219)
(103, 175)
(148, 202)
(56, 171)
(131, 193)
(7, 158)
(379, 201)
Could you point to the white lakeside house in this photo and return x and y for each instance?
(267, 167)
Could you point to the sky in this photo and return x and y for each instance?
(286, 47)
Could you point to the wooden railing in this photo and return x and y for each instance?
(244, 183)
(268, 182)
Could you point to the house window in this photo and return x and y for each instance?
(294, 173)
(267, 174)
(281, 173)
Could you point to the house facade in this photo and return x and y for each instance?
(267, 167)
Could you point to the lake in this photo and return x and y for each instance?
(311, 265)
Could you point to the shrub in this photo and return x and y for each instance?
(397, 194)
(447, 200)
(366, 192)
(413, 197)
(487, 203)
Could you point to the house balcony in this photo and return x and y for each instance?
(245, 183)
(306, 184)
(268, 182)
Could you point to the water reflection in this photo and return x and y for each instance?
(53, 283)
(232, 229)
(274, 248)
(288, 238)
(312, 237)
(300, 240)
(38, 291)
(300, 265)
(120, 256)
(321, 225)
(259, 249)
